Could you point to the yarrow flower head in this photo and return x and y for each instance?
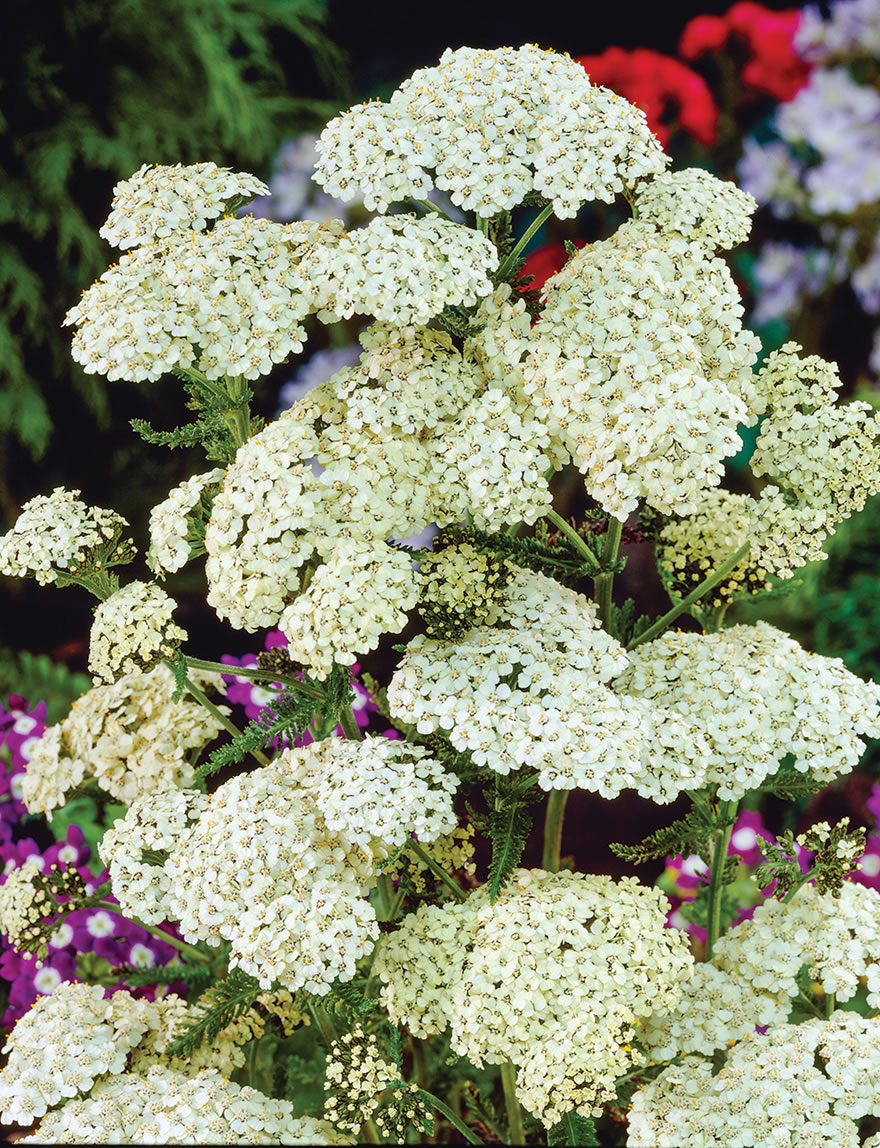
(159, 201)
(697, 205)
(490, 127)
(177, 524)
(165, 1106)
(133, 631)
(553, 945)
(304, 837)
(56, 534)
(129, 735)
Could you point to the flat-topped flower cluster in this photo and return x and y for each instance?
(323, 877)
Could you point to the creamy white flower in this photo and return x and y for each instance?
(132, 631)
(403, 269)
(171, 541)
(165, 1107)
(492, 126)
(129, 735)
(757, 696)
(641, 370)
(696, 205)
(552, 944)
(54, 534)
(158, 201)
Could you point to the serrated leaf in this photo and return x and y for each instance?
(573, 1131)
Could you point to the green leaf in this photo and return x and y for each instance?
(691, 834)
(37, 678)
(509, 827)
(229, 1000)
(573, 1131)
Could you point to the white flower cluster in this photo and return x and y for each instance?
(697, 205)
(641, 368)
(837, 938)
(229, 301)
(554, 945)
(22, 904)
(361, 592)
(130, 736)
(354, 1079)
(154, 824)
(534, 690)
(757, 696)
(415, 434)
(55, 533)
(489, 127)
(804, 1085)
(165, 1107)
(403, 268)
(825, 455)
(171, 542)
(302, 837)
(716, 1006)
(692, 548)
(63, 1043)
(132, 631)
(158, 201)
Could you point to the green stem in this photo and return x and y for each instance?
(428, 860)
(429, 206)
(101, 583)
(538, 222)
(604, 580)
(446, 1111)
(573, 537)
(514, 1112)
(830, 1003)
(256, 675)
(805, 877)
(720, 574)
(553, 819)
(370, 1132)
(159, 934)
(324, 1023)
(229, 726)
(238, 419)
(349, 724)
(386, 897)
(727, 812)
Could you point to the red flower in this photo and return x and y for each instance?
(668, 91)
(772, 65)
(546, 261)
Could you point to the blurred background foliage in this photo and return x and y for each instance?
(89, 91)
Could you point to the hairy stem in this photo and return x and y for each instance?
(573, 537)
(229, 726)
(428, 860)
(538, 222)
(604, 581)
(553, 819)
(727, 810)
(446, 1111)
(159, 934)
(704, 587)
(256, 675)
(349, 724)
(514, 1112)
(238, 419)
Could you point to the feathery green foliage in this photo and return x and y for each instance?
(573, 1130)
(509, 827)
(229, 999)
(166, 82)
(690, 834)
(197, 977)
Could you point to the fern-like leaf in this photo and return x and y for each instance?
(691, 834)
(573, 1131)
(198, 977)
(229, 1000)
(509, 826)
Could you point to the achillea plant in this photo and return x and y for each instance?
(333, 925)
